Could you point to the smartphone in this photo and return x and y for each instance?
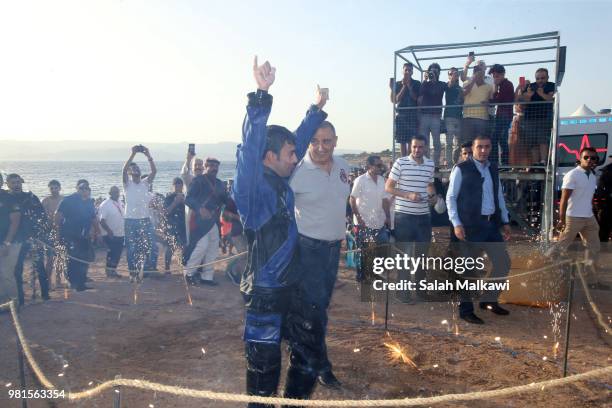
(522, 82)
(471, 54)
(191, 149)
(140, 148)
(391, 82)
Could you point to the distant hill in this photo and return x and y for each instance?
(359, 159)
(112, 151)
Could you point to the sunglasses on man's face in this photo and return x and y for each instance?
(594, 158)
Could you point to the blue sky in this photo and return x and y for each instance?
(177, 71)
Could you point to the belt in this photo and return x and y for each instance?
(320, 241)
(487, 217)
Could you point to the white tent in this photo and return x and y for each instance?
(583, 110)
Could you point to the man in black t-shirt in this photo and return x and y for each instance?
(538, 117)
(33, 228)
(10, 217)
(405, 93)
(174, 206)
(431, 94)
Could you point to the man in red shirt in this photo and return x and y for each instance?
(504, 95)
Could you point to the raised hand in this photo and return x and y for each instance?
(264, 74)
(322, 97)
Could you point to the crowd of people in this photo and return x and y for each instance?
(482, 105)
(287, 208)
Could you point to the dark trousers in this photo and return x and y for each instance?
(38, 266)
(604, 217)
(500, 137)
(412, 236)
(113, 255)
(318, 262)
(79, 252)
(175, 241)
(483, 238)
(273, 314)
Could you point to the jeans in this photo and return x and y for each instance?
(138, 242)
(8, 260)
(318, 262)
(38, 266)
(453, 139)
(413, 237)
(472, 127)
(79, 251)
(115, 248)
(500, 136)
(484, 237)
(430, 123)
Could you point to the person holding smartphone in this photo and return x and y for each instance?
(405, 94)
(138, 228)
(538, 117)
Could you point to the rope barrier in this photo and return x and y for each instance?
(594, 307)
(241, 398)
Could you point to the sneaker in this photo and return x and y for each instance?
(495, 308)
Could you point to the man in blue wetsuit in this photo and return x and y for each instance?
(274, 306)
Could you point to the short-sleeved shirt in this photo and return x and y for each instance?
(369, 195)
(504, 93)
(542, 111)
(320, 198)
(583, 184)
(8, 206)
(432, 94)
(411, 176)
(453, 96)
(112, 212)
(476, 96)
(407, 101)
(77, 216)
(137, 199)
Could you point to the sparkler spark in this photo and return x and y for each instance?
(60, 375)
(356, 350)
(203, 351)
(373, 314)
(444, 321)
(555, 349)
(456, 329)
(498, 339)
(8, 384)
(398, 353)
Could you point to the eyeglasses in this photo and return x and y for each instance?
(594, 158)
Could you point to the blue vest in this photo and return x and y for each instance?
(469, 200)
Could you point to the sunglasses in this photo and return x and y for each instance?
(594, 158)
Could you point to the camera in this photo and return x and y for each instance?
(140, 148)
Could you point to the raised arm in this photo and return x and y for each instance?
(249, 154)
(153, 171)
(126, 166)
(314, 117)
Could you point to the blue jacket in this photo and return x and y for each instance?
(264, 200)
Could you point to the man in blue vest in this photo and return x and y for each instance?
(477, 210)
(275, 308)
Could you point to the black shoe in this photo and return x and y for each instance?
(495, 308)
(83, 288)
(328, 379)
(191, 280)
(472, 318)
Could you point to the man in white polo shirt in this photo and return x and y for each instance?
(321, 187)
(370, 205)
(576, 210)
(411, 182)
(110, 214)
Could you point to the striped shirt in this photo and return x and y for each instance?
(411, 176)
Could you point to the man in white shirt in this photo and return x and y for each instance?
(110, 214)
(320, 184)
(370, 205)
(138, 227)
(576, 211)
